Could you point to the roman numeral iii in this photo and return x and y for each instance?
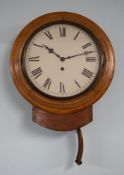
(90, 59)
(87, 73)
(36, 72)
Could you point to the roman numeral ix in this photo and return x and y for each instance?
(36, 72)
(87, 73)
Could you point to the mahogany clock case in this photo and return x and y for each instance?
(55, 105)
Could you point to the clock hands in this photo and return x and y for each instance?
(51, 50)
(69, 57)
(84, 53)
(37, 45)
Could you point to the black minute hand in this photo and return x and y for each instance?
(84, 53)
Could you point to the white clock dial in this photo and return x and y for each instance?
(62, 60)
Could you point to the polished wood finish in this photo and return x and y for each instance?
(62, 106)
(64, 122)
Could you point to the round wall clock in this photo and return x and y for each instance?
(62, 63)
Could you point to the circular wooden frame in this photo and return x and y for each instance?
(62, 106)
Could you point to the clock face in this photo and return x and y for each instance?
(62, 60)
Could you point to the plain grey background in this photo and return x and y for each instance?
(28, 149)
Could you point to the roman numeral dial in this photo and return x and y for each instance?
(61, 60)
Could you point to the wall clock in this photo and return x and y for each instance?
(62, 63)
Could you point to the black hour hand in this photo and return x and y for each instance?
(51, 50)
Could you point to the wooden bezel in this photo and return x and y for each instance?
(62, 106)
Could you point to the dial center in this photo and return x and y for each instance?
(62, 68)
